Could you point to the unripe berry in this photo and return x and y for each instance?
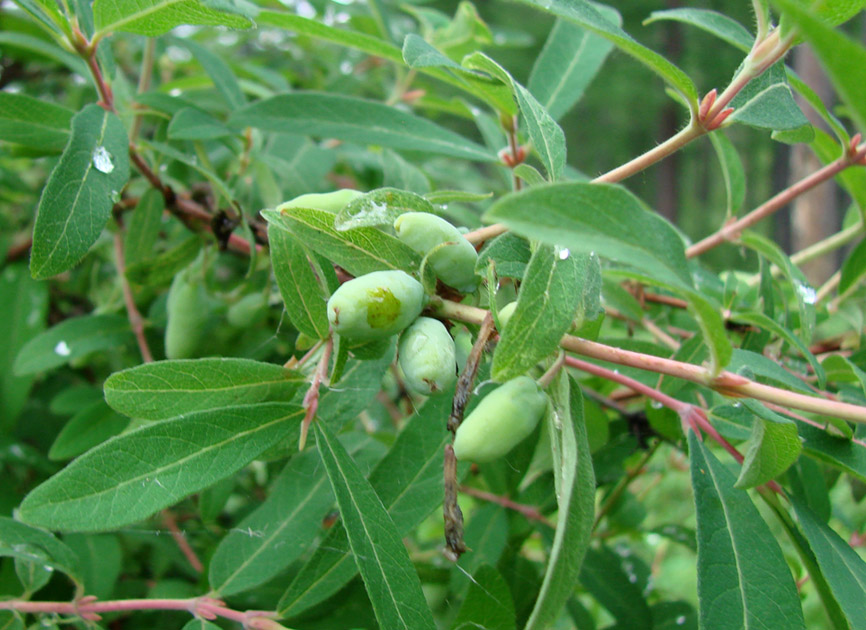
(187, 310)
(505, 314)
(504, 418)
(427, 357)
(453, 262)
(330, 202)
(376, 305)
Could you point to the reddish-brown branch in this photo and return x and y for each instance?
(136, 321)
(776, 203)
(182, 543)
(528, 511)
(311, 398)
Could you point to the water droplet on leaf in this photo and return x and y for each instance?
(62, 348)
(102, 160)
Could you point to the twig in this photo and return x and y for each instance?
(726, 383)
(779, 201)
(528, 511)
(467, 377)
(182, 543)
(136, 322)
(311, 398)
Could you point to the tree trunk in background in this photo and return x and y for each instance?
(814, 216)
(667, 170)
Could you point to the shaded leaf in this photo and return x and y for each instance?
(773, 446)
(88, 428)
(487, 605)
(720, 25)
(34, 123)
(19, 540)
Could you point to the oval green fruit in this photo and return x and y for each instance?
(249, 310)
(451, 256)
(376, 305)
(330, 202)
(187, 310)
(427, 357)
(504, 418)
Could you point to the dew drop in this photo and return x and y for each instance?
(174, 92)
(62, 348)
(562, 253)
(681, 620)
(656, 404)
(737, 405)
(48, 567)
(807, 293)
(346, 67)
(102, 160)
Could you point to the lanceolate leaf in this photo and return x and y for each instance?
(569, 61)
(166, 389)
(854, 268)
(744, 581)
(356, 120)
(408, 481)
(18, 540)
(773, 446)
(155, 17)
(601, 218)
(388, 574)
(584, 14)
(488, 604)
(555, 285)
(303, 294)
(575, 491)
(718, 24)
(76, 201)
(357, 251)
(843, 568)
(71, 339)
(767, 102)
(33, 122)
(134, 475)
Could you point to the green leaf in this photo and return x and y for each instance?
(842, 453)
(853, 180)
(191, 123)
(547, 137)
(298, 164)
(303, 294)
(155, 17)
(712, 329)
(840, 368)
(509, 253)
(388, 574)
(602, 575)
(34, 123)
(357, 251)
(773, 446)
(554, 292)
(71, 339)
(733, 173)
(18, 540)
(421, 55)
(751, 365)
(134, 475)
(161, 269)
(487, 605)
(575, 492)
(584, 14)
(843, 58)
(191, 161)
(143, 228)
(854, 268)
(762, 321)
(842, 567)
(408, 481)
(23, 308)
(720, 25)
(270, 538)
(767, 102)
(219, 71)
(100, 558)
(569, 61)
(165, 389)
(601, 218)
(486, 536)
(745, 581)
(356, 120)
(88, 428)
(380, 207)
(76, 201)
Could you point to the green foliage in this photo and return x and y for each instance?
(219, 215)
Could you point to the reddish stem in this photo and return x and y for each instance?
(182, 543)
(136, 321)
(311, 398)
(528, 511)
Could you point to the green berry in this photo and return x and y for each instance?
(247, 311)
(503, 419)
(451, 256)
(330, 202)
(376, 305)
(187, 310)
(427, 357)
